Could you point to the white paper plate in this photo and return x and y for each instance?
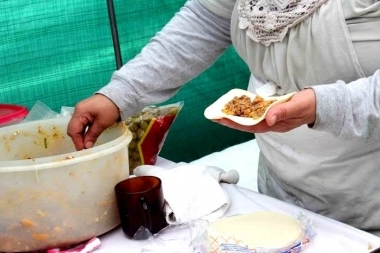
(214, 111)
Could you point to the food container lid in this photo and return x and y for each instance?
(10, 113)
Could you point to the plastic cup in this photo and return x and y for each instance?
(140, 202)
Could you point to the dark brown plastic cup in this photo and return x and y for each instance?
(140, 202)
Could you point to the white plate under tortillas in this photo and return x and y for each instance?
(214, 111)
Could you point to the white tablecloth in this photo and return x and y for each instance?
(331, 236)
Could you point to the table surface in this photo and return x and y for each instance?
(330, 236)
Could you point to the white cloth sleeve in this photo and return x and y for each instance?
(185, 47)
(350, 111)
(222, 8)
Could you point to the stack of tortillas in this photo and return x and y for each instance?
(259, 230)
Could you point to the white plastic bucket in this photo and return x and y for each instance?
(52, 195)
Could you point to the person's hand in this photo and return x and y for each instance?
(299, 110)
(97, 113)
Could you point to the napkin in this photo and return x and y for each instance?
(192, 192)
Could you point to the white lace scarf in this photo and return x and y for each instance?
(268, 21)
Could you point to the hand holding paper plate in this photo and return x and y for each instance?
(215, 110)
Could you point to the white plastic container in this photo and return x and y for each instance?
(52, 195)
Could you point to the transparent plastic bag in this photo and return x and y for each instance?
(40, 111)
(149, 129)
(185, 238)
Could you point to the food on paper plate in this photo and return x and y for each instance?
(263, 231)
(243, 107)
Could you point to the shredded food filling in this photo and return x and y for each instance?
(243, 106)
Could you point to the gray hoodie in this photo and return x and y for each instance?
(332, 169)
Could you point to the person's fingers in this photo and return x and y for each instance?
(90, 118)
(231, 124)
(76, 129)
(92, 134)
(106, 114)
(258, 128)
(278, 113)
(77, 138)
(301, 108)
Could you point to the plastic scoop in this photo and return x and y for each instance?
(214, 111)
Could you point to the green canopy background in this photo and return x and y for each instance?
(60, 52)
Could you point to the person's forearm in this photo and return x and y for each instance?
(350, 111)
(186, 46)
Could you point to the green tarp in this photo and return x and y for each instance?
(60, 52)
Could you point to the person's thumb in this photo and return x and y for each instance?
(92, 134)
(277, 113)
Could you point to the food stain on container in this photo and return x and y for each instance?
(28, 223)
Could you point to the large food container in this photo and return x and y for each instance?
(52, 195)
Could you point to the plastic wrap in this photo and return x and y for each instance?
(150, 128)
(227, 244)
(185, 238)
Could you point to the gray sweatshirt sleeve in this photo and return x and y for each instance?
(190, 43)
(350, 111)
